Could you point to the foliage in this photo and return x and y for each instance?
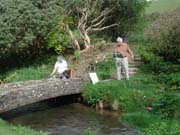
(163, 128)
(157, 25)
(171, 81)
(89, 131)
(140, 119)
(153, 62)
(6, 129)
(133, 95)
(106, 68)
(168, 106)
(137, 35)
(40, 69)
(166, 35)
(58, 40)
(169, 46)
(94, 94)
(125, 13)
(77, 55)
(162, 6)
(161, 55)
(24, 24)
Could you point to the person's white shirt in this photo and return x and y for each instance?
(61, 66)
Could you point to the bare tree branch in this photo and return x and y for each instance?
(104, 13)
(90, 20)
(105, 27)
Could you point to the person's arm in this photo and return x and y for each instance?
(131, 53)
(54, 70)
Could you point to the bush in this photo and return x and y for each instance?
(158, 26)
(168, 106)
(171, 81)
(153, 63)
(163, 128)
(94, 93)
(58, 40)
(132, 95)
(106, 68)
(169, 45)
(26, 23)
(166, 35)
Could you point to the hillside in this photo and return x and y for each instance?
(161, 6)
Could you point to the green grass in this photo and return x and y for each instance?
(161, 6)
(6, 129)
(140, 119)
(89, 131)
(169, 127)
(40, 69)
(133, 95)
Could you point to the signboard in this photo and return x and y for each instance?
(94, 77)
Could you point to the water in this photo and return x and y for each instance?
(70, 119)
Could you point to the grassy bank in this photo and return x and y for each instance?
(133, 95)
(39, 69)
(144, 101)
(160, 6)
(6, 129)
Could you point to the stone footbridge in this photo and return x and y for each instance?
(14, 95)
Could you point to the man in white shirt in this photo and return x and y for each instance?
(60, 66)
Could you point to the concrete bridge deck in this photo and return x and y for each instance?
(14, 95)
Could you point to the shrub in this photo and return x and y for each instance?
(168, 106)
(94, 93)
(106, 68)
(58, 40)
(130, 95)
(152, 62)
(163, 128)
(166, 35)
(26, 24)
(171, 81)
(158, 26)
(169, 44)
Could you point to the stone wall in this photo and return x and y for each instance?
(14, 95)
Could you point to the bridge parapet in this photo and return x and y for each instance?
(14, 95)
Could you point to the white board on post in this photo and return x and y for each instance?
(94, 77)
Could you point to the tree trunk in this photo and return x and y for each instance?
(74, 40)
(87, 40)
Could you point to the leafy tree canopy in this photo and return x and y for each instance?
(25, 23)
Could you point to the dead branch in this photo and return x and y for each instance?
(105, 27)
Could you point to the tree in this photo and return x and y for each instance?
(25, 23)
(88, 16)
(127, 13)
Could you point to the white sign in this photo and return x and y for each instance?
(94, 77)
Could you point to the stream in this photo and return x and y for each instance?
(59, 118)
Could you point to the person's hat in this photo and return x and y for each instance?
(119, 39)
